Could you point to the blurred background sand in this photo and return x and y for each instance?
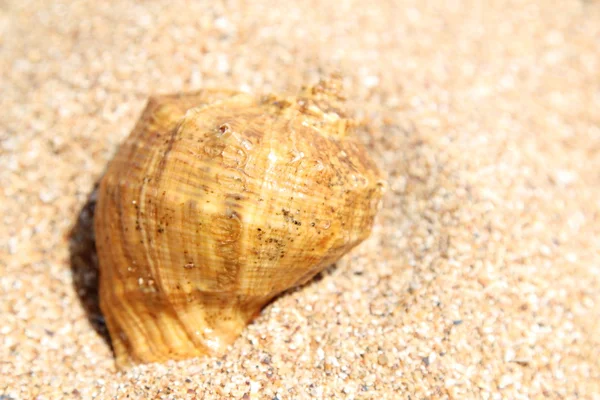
(482, 276)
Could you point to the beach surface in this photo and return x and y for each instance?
(481, 279)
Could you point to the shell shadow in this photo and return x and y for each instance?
(84, 265)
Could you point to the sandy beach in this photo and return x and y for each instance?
(481, 279)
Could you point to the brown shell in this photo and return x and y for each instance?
(217, 202)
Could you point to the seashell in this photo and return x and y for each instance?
(217, 202)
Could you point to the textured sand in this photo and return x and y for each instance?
(482, 276)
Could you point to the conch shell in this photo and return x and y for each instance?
(217, 202)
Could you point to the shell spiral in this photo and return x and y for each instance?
(217, 202)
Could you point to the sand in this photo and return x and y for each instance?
(482, 276)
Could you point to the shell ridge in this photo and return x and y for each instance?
(127, 306)
(245, 232)
(267, 137)
(153, 250)
(293, 138)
